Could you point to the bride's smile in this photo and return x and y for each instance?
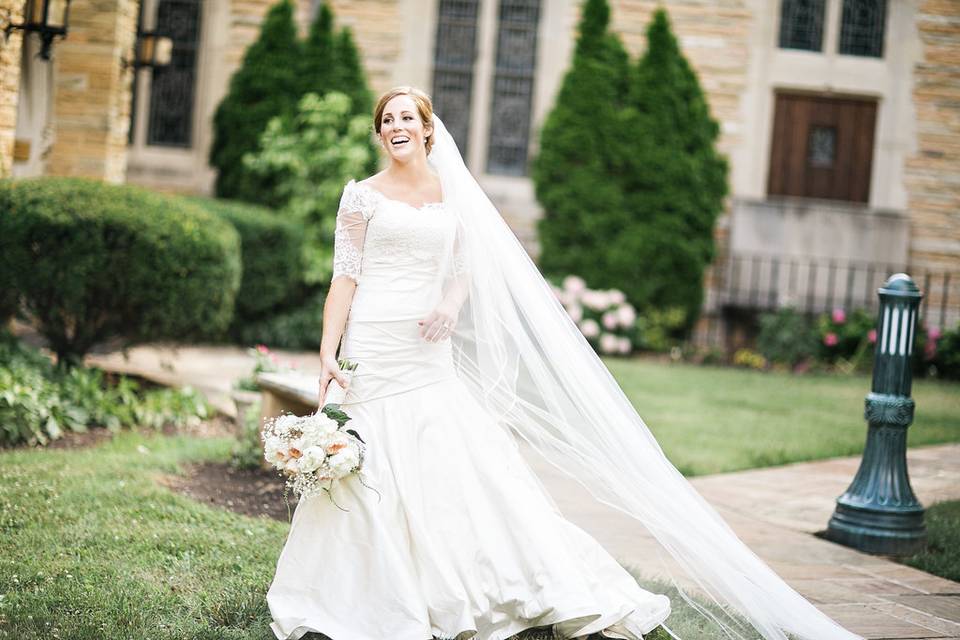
(402, 133)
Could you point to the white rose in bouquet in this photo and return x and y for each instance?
(342, 462)
(312, 458)
(273, 451)
(318, 429)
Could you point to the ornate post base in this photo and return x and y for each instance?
(879, 512)
(871, 531)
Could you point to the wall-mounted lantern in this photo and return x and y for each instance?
(151, 50)
(48, 18)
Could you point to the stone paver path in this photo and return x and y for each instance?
(774, 510)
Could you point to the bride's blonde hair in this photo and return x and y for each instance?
(424, 109)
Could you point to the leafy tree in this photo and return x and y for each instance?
(267, 84)
(277, 71)
(583, 206)
(331, 63)
(674, 181)
(313, 154)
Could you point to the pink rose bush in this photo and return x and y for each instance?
(847, 337)
(264, 361)
(604, 317)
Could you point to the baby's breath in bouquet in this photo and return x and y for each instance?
(315, 451)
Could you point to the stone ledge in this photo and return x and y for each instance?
(283, 392)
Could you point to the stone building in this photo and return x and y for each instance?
(841, 118)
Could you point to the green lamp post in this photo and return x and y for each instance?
(879, 512)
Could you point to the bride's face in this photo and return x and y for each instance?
(401, 130)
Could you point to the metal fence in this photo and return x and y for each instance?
(813, 285)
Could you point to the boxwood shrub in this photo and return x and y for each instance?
(272, 257)
(92, 261)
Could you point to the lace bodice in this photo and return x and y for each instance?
(389, 246)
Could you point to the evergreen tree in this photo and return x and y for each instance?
(319, 54)
(673, 179)
(583, 206)
(331, 63)
(266, 84)
(348, 74)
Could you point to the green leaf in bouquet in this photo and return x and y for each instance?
(333, 412)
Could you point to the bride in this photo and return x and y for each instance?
(462, 347)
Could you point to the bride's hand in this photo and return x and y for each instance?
(439, 323)
(330, 370)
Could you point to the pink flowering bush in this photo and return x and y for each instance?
(606, 319)
(264, 361)
(847, 338)
(937, 352)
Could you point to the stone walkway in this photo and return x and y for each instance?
(774, 510)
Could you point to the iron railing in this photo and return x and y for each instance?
(814, 285)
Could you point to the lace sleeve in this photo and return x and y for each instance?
(352, 216)
(459, 253)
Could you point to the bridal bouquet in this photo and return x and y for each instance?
(315, 451)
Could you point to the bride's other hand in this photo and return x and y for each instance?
(330, 370)
(438, 324)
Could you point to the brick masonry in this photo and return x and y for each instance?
(932, 173)
(92, 101)
(9, 84)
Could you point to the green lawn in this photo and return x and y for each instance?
(942, 555)
(712, 419)
(94, 549)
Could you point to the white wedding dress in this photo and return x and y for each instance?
(463, 542)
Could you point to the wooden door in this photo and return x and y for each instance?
(822, 147)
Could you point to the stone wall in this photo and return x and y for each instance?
(9, 84)
(933, 172)
(92, 102)
(378, 31)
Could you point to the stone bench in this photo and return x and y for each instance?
(288, 392)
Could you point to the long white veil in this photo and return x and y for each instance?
(527, 362)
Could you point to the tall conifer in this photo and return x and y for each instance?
(319, 53)
(349, 76)
(583, 205)
(674, 181)
(266, 84)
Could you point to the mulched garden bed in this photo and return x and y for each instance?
(252, 492)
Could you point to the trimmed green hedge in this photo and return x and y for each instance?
(272, 257)
(92, 261)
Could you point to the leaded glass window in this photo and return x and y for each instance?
(513, 86)
(453, 59)
(135, 87)
(862, 27)
(801, 24)
(172, 88)
(822, 146)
